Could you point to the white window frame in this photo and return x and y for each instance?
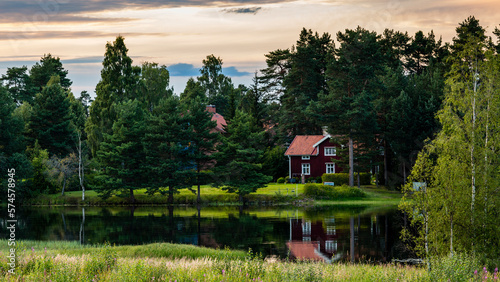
(326, 167)
(330, 154)
(306, 157)
(306, 169)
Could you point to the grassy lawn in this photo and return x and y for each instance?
(272, 194)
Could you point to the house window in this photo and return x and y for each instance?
(306, 169)
(330, 151)
(330, 168)
(306, 228)
(331, 246)
(306, 157)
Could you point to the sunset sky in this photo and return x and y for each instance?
(180, 34)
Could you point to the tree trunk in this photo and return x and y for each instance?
(132, 198)
(472, 161)
(198, 198)
(170, 195)
(385, 163)
(451, 234)
(80, 166)
(64, 184)
(82, 228)
(351, 162)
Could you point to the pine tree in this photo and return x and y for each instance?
(166, 144)
(201, 139)
(41, 73)
(50, 122)
(348, 108)
(121, 154)
(239, 160)
(11, 126)
(118, 84)
(304, 82)
(19, 84)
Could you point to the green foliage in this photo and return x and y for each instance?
(217, 86)
(121, 153)
(343, 178)
(336, 178)
(193, 91)
(153, 85)
(304, 80)
(281, 180)
(118, 84)
(275, 162)
(11, 125)
(239, 160)
(40, 183)
(458, 267)
(50, 122)
(167, 166)
(41, 73)
(457, 210)
(319, 191)
(18, 84)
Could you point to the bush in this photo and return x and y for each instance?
(281, 180)
(459, 267)
(343, 178)
(337, 178)
(320, 191)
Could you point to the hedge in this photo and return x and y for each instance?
(343, 178)
(320, 191)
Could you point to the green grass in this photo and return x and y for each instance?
(271, 195)
(155, 250)
(64, 261)
(68, 261)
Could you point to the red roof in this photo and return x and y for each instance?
(304, 145)
(304, 250)
(221, 122)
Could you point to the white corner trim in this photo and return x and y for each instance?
(322, 140)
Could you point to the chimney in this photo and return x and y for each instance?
(210, 108)
(325, 130)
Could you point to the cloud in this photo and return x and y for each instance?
(232, 71)
(20, 35)
(182, 69)
(84, 60)
(28, 11)
(249, 10)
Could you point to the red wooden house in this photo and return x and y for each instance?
(311, 156)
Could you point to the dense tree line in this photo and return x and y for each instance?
(378, 94)
(455, 208)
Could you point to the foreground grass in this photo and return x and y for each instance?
(64, 261)
(68, 261)
(273, 194)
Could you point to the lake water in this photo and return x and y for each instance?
(327, 233)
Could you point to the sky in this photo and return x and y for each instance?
(180, 34)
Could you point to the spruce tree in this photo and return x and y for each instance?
(166, 144)
(50, 122)
(239, 157)
(121, 154)
(118, 84)
(202, 139)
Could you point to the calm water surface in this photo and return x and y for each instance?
(329, 233)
